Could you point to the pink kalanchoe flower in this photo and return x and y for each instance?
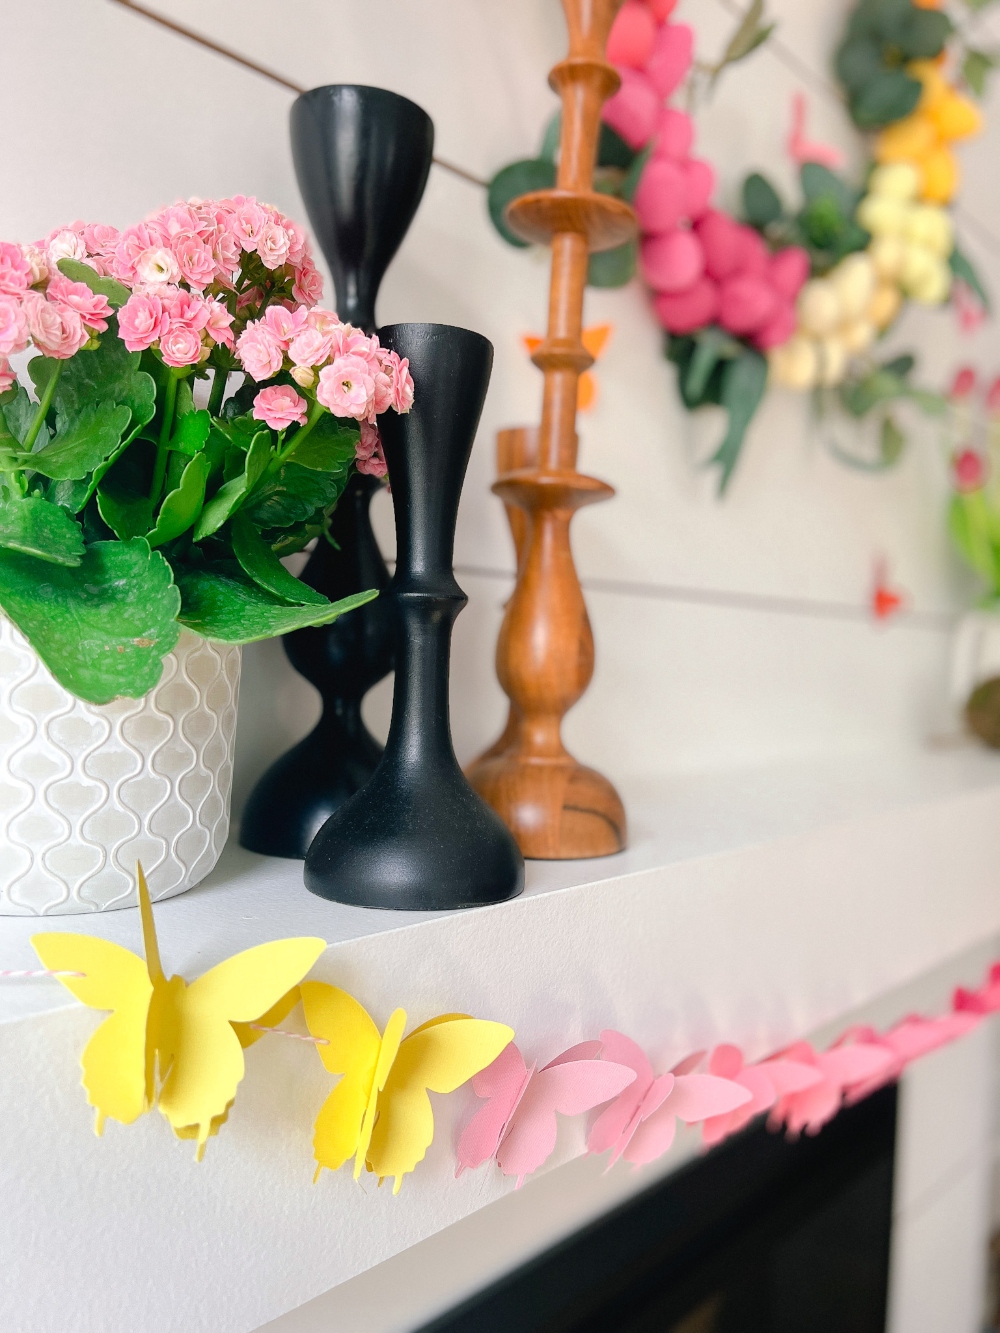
(100, 239)
(298, 242)
(13, 327)
(280, 406)
(368, 455)
(38, 264)
(308, 287)
(969, 468)
(175, 220)
(7, 377)
(226, 251)
(156, 266)
(15, 270)
(402, 381)
(56, 330)
(181, 346)
(94, 310)
(65, 244)
(218, 325)
(141, 321)
(347, 387)
(186, 309)
(259, 351)
(247, 223)
(309, 348)
(273, 244)
(285, 324)
(194, 259)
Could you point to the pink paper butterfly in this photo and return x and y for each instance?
(841, 1068)
(518, 1123)
(985, 1000)
(764, 1082)
(641, 1122)
(911, 1038)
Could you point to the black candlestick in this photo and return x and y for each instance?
(417, 836)
(361, 156)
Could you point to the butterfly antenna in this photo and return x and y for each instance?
(149, 944)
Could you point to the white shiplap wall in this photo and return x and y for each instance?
(726, 632)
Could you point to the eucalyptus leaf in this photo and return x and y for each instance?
(36, 527)
(102, 628)
(77, 271)
(892, 441)
(630, 181)
(260, 563)
(744, 380)
(220, 602)
(761, 201)
(975, 68)
(750, 33)
(81, 443)
(181, 507)
(613, 268)
(962, 267)
(510, 183)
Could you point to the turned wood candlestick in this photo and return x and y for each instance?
(556, 808)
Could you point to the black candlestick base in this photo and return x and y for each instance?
(417, 837)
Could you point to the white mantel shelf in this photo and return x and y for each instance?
(753, 906)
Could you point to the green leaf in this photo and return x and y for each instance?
(549, 150)
(711, 345)
(892, 441)
(126, 513)
(510, 183)
(975, 67)
(858, 62)
(743, 383)
(293, 494)
(889, 96)
(761, 201)
(19, 412)
(613, 268)
(974, 533)
(962, 267)
(228, 498)
(78, 272)
(749, 34)
(80, 443)
(263, 566)
(182, 506)
(819, 182)
(41, 529)
(108, 374)
(612, 150)
(924, 33)
(191, 433)
(220, 602)
(329, 447)
(103, 628)
(630, 181)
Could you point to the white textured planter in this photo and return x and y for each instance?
(975, 654)
(86, 790)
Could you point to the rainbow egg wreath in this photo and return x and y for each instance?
(791, 297)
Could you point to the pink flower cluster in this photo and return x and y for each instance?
(183, 325)
(704, 266)
(353, 376)
(59, 320)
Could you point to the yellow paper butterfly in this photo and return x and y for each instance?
(379, 1113)
(191, 1036)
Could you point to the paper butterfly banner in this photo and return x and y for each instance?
(518, 1124)
(167, 1043)
(640, 1124)
(379, 1113)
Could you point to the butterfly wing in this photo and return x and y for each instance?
(117, 1066)
(352, 1049)
(500, 1084)
(438, 1057)
(202, 1049)
(610, 1126)
(569, 1089)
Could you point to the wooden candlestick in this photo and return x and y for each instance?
(556, 808)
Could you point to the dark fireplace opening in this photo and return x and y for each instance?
(758, 1236)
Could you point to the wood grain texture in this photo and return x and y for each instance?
(556, 808)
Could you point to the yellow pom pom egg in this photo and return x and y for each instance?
(930, 226)
(795, 364)
(895, 180)
(854, 282)
(819, 307)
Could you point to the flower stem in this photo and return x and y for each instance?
(160, 466)
(44, 403)
(315, 412)
(218, 391)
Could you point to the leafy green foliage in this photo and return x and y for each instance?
(220, 602)
(191, 433)
(329, 447)
(181, 506)
(974, 524)
(231, 495)
(963, 269)
(508, 184)
(882, 37)
(81, 443)
(101, 628)
(750, 33)
(260, 563)
(36, 527)
(613, 268)
(976, 67)
(78, 272)
(761, 202)
(824, 225)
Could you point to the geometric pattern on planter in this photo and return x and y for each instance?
(86, 790)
